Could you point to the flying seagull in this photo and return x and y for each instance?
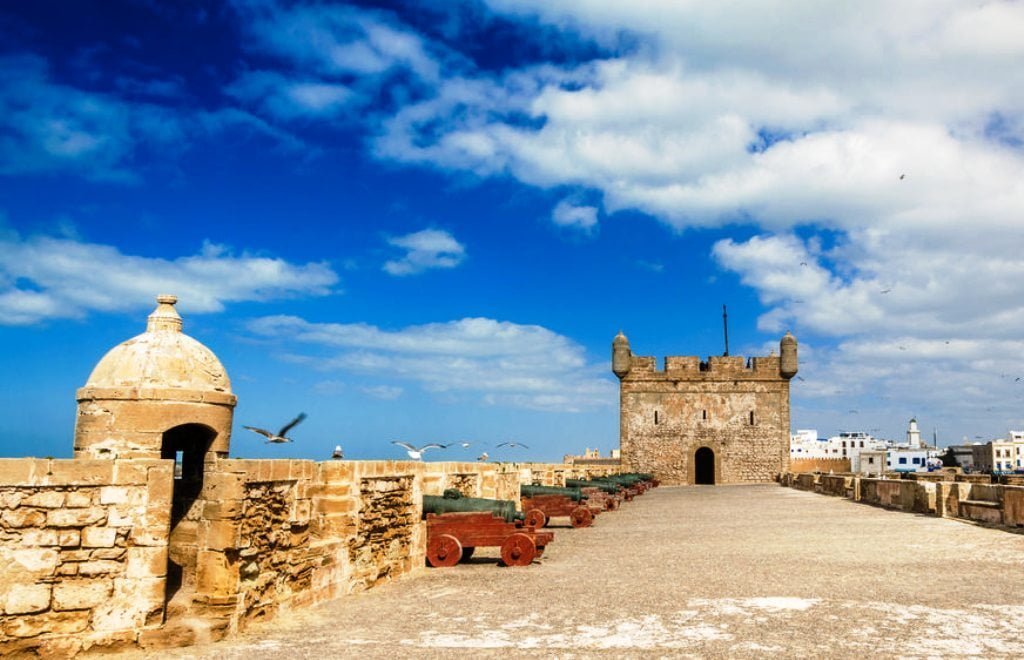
(886, 290)
(279, 437)
(511, 444)
(416, 454)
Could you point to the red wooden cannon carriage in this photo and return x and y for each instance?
(541, 503)
(457, 525)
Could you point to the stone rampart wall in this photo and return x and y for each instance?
(966, 500)
(85, 543)
(83, 551)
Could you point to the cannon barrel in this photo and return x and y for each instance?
(505, 509)
(606, 486)
(624, 479)
(575, 494)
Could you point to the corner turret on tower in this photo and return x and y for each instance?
(788, 360)
(621, 355)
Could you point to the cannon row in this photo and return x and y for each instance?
(457, 525)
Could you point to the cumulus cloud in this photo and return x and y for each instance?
(568, 214)
(44, 278)
(425, 250)
(505, 363)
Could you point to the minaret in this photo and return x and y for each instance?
(787, 351)
(621, 355)
(913, 435)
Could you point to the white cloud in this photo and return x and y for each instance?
(567, 214)
(505, 363)
(383, 392)
(289, 98)
(425, 250)
(45, 278)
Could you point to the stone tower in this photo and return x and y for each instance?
(155, 395)
(721, 421)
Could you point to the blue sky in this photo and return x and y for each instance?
(427, 222)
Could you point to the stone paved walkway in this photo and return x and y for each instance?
(700, 571)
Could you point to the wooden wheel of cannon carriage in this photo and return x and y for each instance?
(535, 518)
(518, 550)
(581, 517)
(612, 504)
(444, 550)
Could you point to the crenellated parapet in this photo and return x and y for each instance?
(627, 366)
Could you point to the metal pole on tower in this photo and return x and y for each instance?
(725, 328)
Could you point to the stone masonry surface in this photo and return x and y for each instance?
(737, 571)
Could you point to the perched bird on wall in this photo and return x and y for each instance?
(416, 453)
(338, 454)
(511, 444)
(280, 436)
(482, 457)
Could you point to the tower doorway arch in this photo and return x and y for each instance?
(187, 445)
(704, 466)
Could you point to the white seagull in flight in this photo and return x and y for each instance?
(416, 453)
(280, 436)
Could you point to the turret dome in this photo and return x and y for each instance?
(162, 357)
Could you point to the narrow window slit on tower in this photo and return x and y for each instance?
(704, 415)
(655, 416)
(178, 457)
(751, 417)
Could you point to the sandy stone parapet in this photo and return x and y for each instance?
(83, 544)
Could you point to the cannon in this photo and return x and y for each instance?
(541, 503)
(605, 495)
(634, 485)
(457, 525)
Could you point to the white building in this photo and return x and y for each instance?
(1000, 455)
(806, 444)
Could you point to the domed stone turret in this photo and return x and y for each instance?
(787, 352)
(158, 382)
(621, 355)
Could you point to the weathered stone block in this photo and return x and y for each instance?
(329, 505)
(11, 499)
(220, 534)
(1013, 506)
(62, 623)
(46, 499)
(40, 561)
(75, 517)
(38, 537)
(143, 562)
(78, 499)
(23, 517)
(68, 538)
(80, 594)
(99, 537)
(125, 515)
(215, 576)
(27, 598)
(131, 473)
(16, 471)
(113, 494)
(149, 536)
(99, 567)
(80, 472)
(222, 509)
